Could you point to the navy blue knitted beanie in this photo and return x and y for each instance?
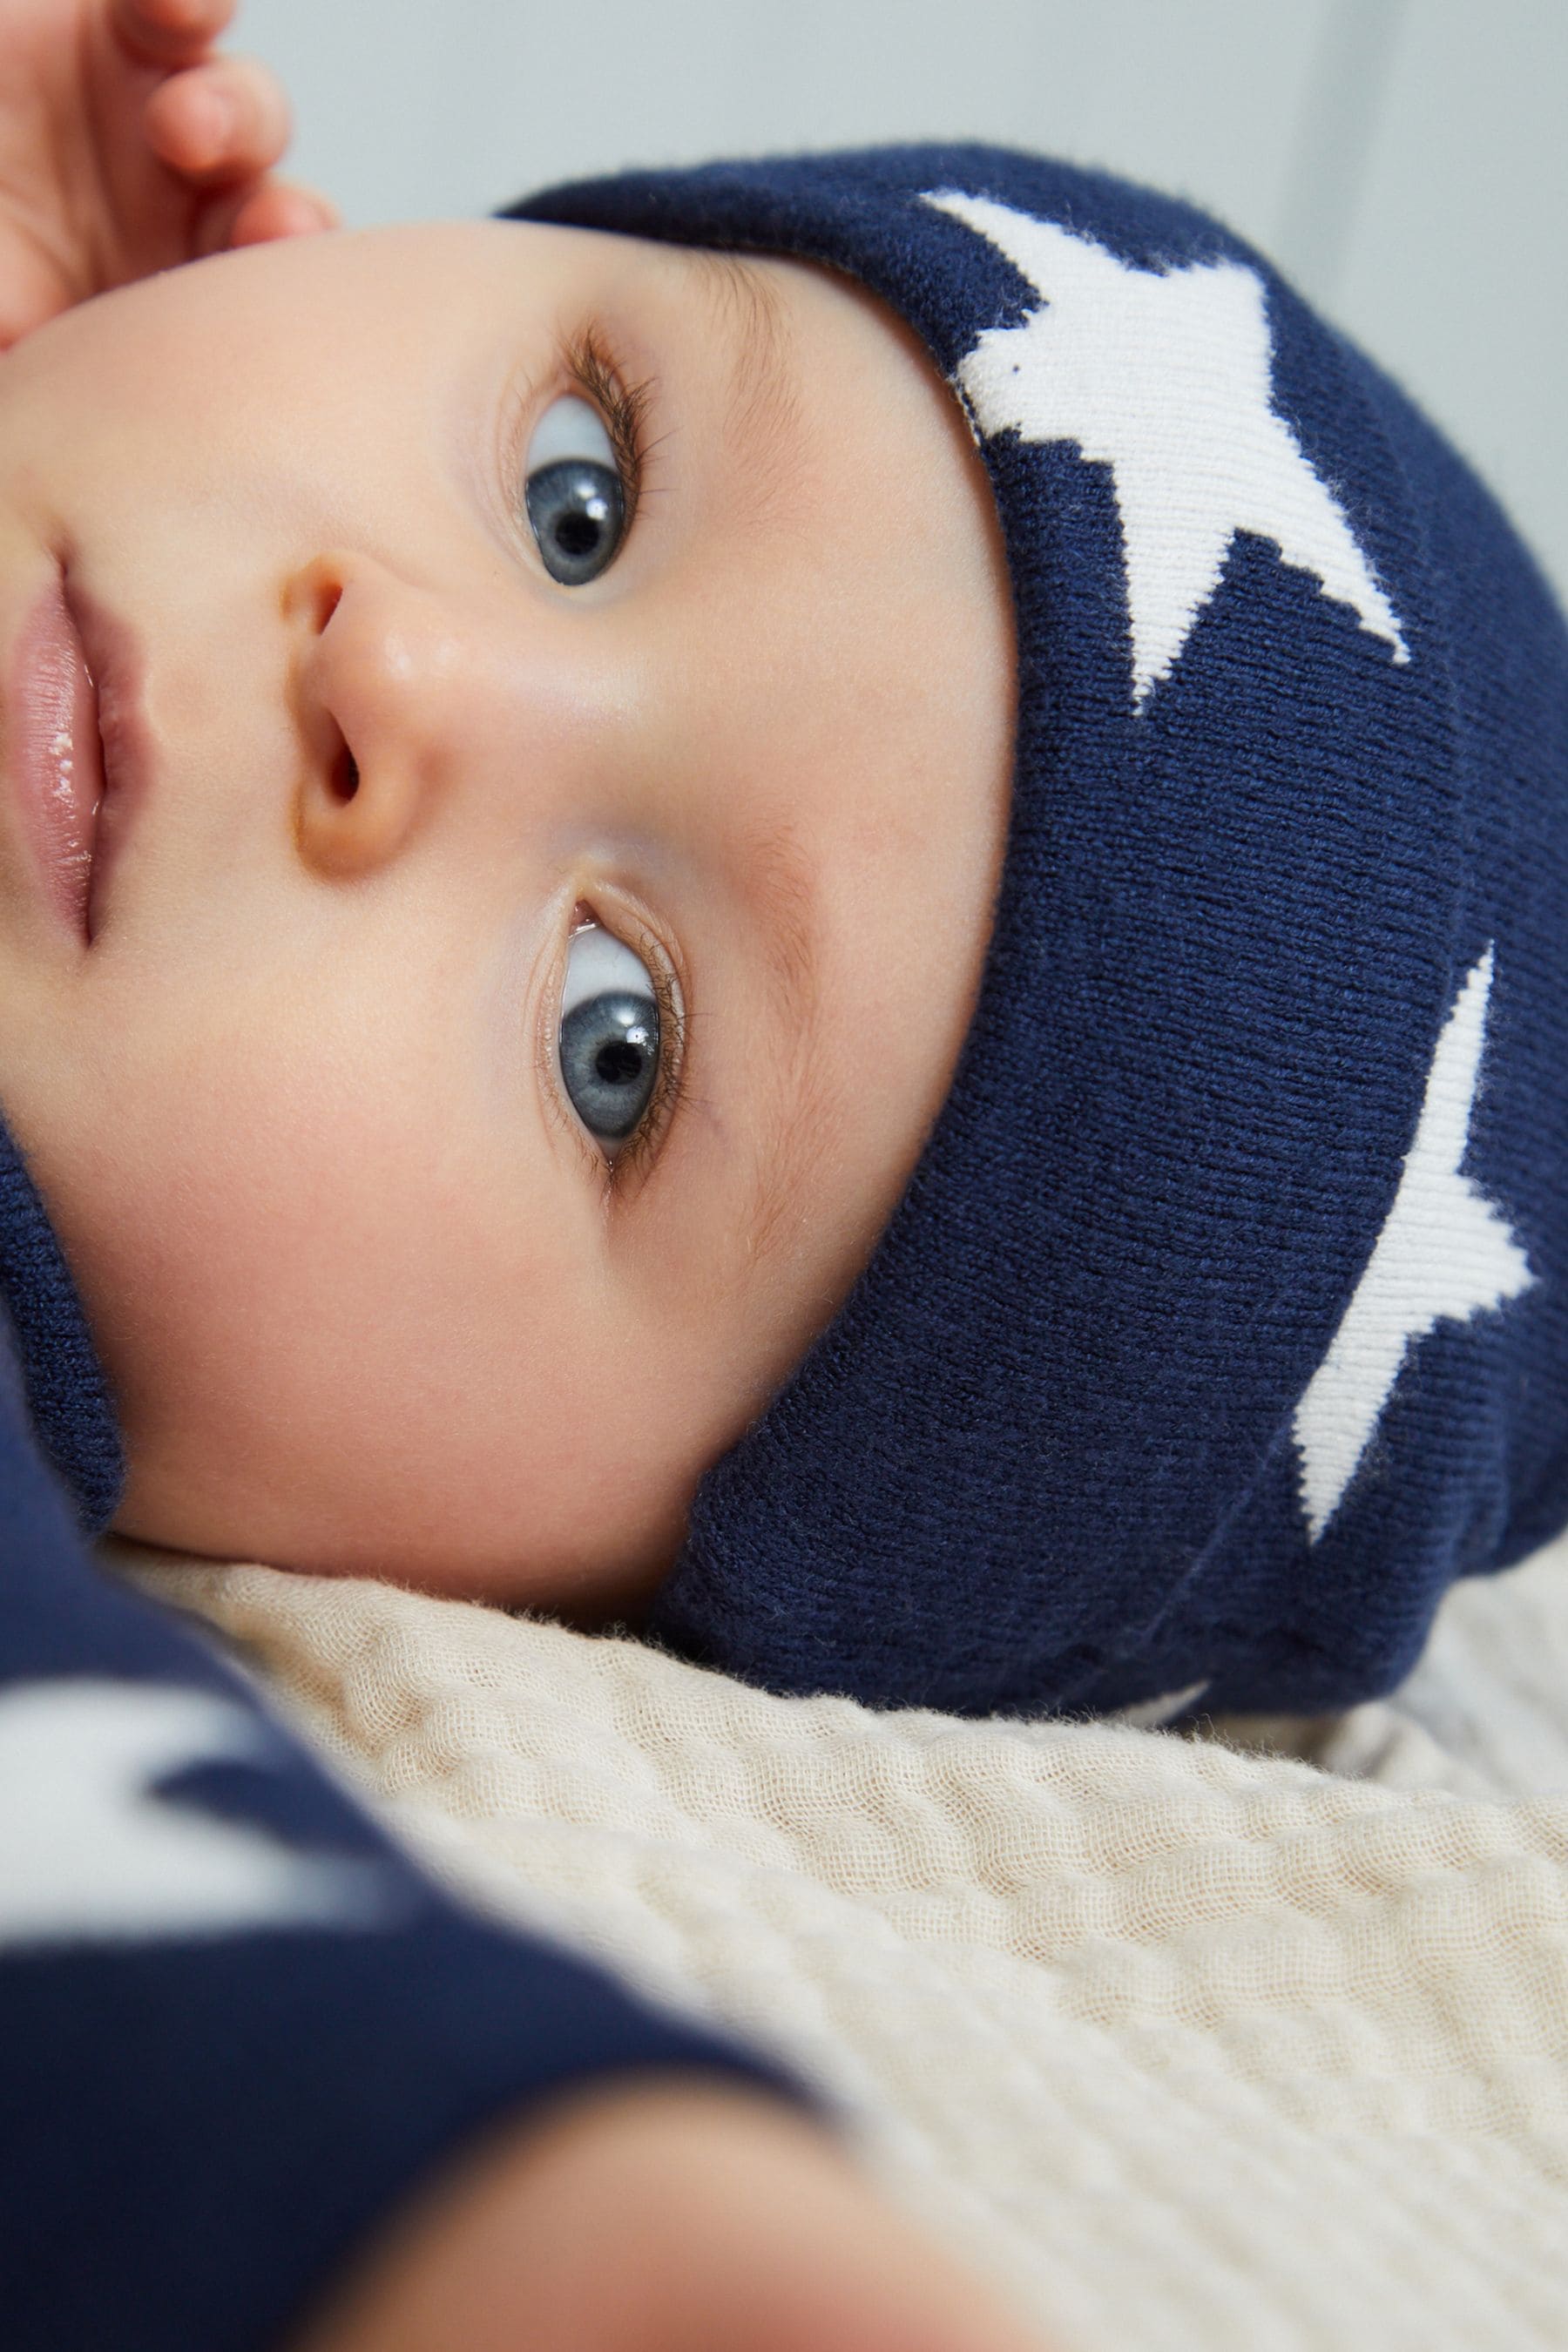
(1225, 1320)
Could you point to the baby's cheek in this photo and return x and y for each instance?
(239, 1256)
(338, 1344)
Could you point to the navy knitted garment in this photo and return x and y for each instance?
(1225, 1320)
(63, 1384)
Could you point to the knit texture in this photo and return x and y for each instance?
(1223, 1324)
(1183, 2048)
(67, 1397)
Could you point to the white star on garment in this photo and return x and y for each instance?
(88, 1855)
(1445, 1250)
(1165, 376)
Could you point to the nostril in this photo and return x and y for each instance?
(344, 782)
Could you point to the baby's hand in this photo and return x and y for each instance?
(667, 2217)
(127, 146)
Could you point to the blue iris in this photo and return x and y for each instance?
(577, 511)
(609, 1061)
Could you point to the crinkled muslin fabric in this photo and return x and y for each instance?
(1184, 2049)
(1224, 1323)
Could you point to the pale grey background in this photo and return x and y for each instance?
(1407, 161)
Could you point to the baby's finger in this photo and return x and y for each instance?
(226, 120)
(170, 32)
(275, 210)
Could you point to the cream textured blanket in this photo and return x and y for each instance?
(1185, 2046)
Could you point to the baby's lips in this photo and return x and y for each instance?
(117, 666)
(54, 754)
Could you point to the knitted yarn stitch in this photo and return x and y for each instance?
(63, 1381)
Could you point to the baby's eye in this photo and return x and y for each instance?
(576, 504)
(609, 1036)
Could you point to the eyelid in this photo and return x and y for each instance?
(636, 1156)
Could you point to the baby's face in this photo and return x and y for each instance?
(382, 1282)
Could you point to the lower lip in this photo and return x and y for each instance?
(55, 756)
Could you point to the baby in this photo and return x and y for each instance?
(288, 1057)
(654, 969)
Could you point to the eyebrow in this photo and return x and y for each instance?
(763, 408)
(763, 405)
(791, 1132)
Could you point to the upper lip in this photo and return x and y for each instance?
(117, 668)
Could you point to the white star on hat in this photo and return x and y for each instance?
(1165, 376)
(88, 1854)
(1445, 1250)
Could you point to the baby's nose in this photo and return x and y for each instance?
(386, 684)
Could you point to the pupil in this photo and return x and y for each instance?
(577, 534)
(618, 1064)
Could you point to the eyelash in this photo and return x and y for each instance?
(588, 369)
(624, 407)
